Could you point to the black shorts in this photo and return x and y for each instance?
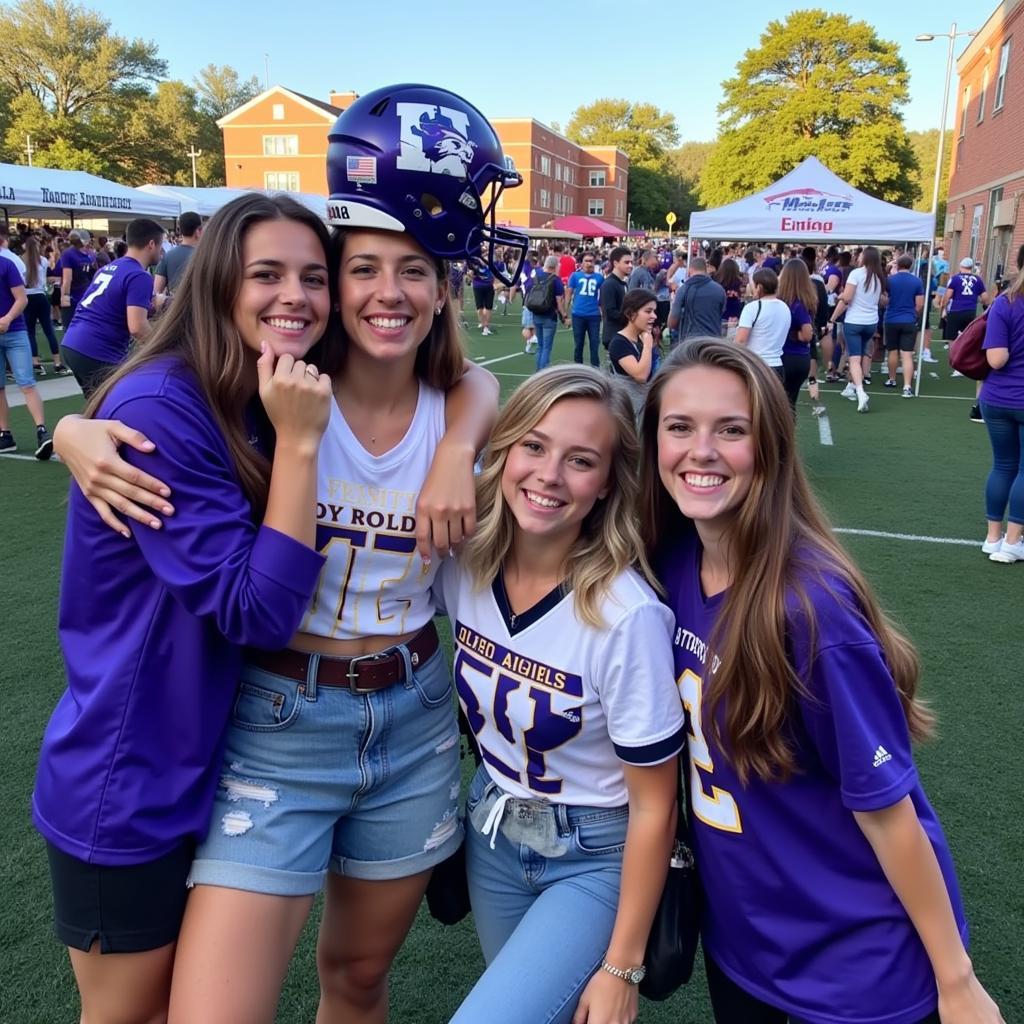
(956, 322)
(900, 336)
(129, 909)
(663, 308)
(90, 373)
(483, 296)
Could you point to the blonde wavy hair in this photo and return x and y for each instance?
(609, 540)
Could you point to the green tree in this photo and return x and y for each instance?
(819, 85)
(926, 146)
(220, 90)
(640, 130)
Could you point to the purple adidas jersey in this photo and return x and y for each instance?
(99, 329)
(798, 911)
(967, 290)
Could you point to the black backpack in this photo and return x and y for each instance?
(540, 300)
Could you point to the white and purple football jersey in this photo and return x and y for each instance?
(373, 583)
(557, 705)
(798, 911)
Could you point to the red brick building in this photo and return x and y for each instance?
(985, 210)
(560, 177)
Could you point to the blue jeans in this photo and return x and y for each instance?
(545, 327)
(544, 922)
(15, 347)
(581, 327)
(37, 312)
(318, 779)
(1005, 484)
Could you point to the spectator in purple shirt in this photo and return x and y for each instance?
(1002, 403)
(153, 623)
(960, 299)
(76, 267)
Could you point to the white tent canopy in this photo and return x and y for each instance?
(811, 204)
(37, 191)
(207, 201)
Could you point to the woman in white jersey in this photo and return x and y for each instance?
(341, 760)
(564, 672)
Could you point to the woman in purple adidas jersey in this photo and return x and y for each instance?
(831, 893)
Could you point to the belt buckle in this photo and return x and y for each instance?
(352, 674)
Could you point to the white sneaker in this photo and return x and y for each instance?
(487, 332)
(862, 401)
(531, 346)
(849, 392)
(908, 392)
(1008, 553)
(927, 357)
(990, 547)
(956, 373)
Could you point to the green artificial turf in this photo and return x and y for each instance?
(909, 467)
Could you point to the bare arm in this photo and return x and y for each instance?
(20, 302)
(649, 838)
(446, 510)
(138, 323)
(640, 369)
(65, 287)
(997, 358)
(908, 860)
(159, 284)
(806, 332)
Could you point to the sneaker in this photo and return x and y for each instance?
(531, 346)
(927, 357)
(849, 392)
(862, 401)
(1008, 553)
(44, 444)
(818, 410)
(990, 547)
(976, 416)
(956, 373)
(39, 371)
(867, 378)
(7, 442)
(891, 384)
(61, 371)
(908, 393)
(487, 332)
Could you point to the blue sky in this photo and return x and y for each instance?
(491, 54)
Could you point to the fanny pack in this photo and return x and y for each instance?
(530, 822)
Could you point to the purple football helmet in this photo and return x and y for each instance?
(420, 159)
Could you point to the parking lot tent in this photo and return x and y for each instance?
(811, 204)
(39, 191)
(207, 201)
(592, 227)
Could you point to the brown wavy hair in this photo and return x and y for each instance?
(198, 328)
(779, 542)
(795, 285)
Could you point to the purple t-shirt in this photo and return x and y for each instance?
(798, 910)
(798, 316)
(966, 289)
(152, 630)
(10, 278)
(1005, 329)
(99, 329)
(772, 263)
(82, 266)
(831, 270)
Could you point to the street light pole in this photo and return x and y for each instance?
(193, 153)
(927, 38)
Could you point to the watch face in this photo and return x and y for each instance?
(636, 975)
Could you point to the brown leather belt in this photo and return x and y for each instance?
(364, 674)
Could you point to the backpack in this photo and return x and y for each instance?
(541, 298)
(966, 354)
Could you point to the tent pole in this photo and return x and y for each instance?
(927, 318)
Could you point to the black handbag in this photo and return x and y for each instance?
(672, 943)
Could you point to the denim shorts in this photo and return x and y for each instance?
(858, 337)
(15, 346)
(317, 778)
(526, 318)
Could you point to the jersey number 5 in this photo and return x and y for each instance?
(718, 809)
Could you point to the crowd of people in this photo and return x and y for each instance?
(643, 593)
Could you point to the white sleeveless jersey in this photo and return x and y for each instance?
(373, 582)
(557, 705)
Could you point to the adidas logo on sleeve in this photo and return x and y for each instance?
(881, 756)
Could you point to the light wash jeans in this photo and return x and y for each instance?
(545, 327)
(544, 922)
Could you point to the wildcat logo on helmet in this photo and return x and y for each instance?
(434, 139)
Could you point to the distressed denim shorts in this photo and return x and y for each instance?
(317, 778)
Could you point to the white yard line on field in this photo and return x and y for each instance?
(824, 430)
(919, 538)
(501, 359)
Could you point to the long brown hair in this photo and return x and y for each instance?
(795, 285)
(32, 260)
(441, 356)
(779, 543)
(609, 540)
(871, 261)
(199, 330)
(1016, 290)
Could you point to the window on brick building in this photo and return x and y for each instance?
(1004, 63)
(545, 165)
(281, 181)
(595, 207)
(963, 111)
(545, 199)
(981, 96)
(280, 145)
(598, 179)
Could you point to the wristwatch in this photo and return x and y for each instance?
(631, 975)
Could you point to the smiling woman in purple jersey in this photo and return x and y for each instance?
(831, 893)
